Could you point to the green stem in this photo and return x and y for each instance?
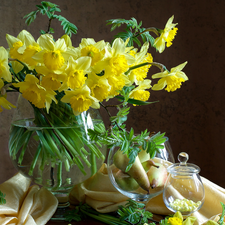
(159, 65)
(111, 220)
(34, 162)
(93, 163)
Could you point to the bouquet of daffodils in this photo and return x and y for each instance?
(61, 82)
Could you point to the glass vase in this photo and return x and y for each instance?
(53, 148)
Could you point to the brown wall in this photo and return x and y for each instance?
(193, 117)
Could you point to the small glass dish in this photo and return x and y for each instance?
(128, 186)
(184, 190)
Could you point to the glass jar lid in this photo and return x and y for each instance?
(183, 168)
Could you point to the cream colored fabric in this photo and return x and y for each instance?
(100, 194)
(26, 205)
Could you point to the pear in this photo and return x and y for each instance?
(143, 155)
(157, 176)
(125, 181)
(148, 164)
(136, 171)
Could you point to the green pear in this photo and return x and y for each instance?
(148, 164)
(136, 171)
(143, 156)
(157, 176)
(125, 181)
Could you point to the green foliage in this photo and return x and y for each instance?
(49, 9)
(154, 144)
(2, 198)
(134, 213)
(133, 31)
(220, 221)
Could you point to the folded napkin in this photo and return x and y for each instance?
(99, 193)
(25, 204)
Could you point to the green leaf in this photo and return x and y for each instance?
(2, 198)
(220, 221)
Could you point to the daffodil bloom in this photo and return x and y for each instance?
(49, 79)
(80, 100)
(178, 219)
(118, 59)
(35, 93)
(117, 83)
(22, 48)
(172, 79)
(3, 101)
(4, 68)
(67, 40)
(143, 56)
(94, 50)
(53, 55)
(139, 93)
(76, 71)
(166, 36)
(99, 86)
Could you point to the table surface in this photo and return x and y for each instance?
(83, 222)
(91, 221)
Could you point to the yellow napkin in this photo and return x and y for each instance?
(99, 193)
(26, 205)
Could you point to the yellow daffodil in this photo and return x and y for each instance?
(139, 93)
(172, 79)
(22, 48)
(4, 68)
(177, 219)
(117, 83)
(54, 54)
(166, 36)
(118, 59)
(80, 100)
(49, 79)
(35, 93)
(3, 101)
(99, 86)
(143, 56)
(67, 40)
(76, 73)
(94, 50)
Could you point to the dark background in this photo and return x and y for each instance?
(193, 117)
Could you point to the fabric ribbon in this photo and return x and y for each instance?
(99, 193)
(25, 204)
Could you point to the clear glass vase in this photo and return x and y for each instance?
(53, 148)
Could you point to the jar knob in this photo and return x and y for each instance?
(183, 158)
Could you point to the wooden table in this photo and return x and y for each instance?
(83, 222)
(91, 221)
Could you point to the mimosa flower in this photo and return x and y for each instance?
(3, 102)
(53, 55)
(167, 35)
(99, 86)
(171, 79)
(35, 93)
(4, 67)
(80, 100)
(139, 93)
(76, 71)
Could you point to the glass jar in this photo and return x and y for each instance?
(184, 190)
